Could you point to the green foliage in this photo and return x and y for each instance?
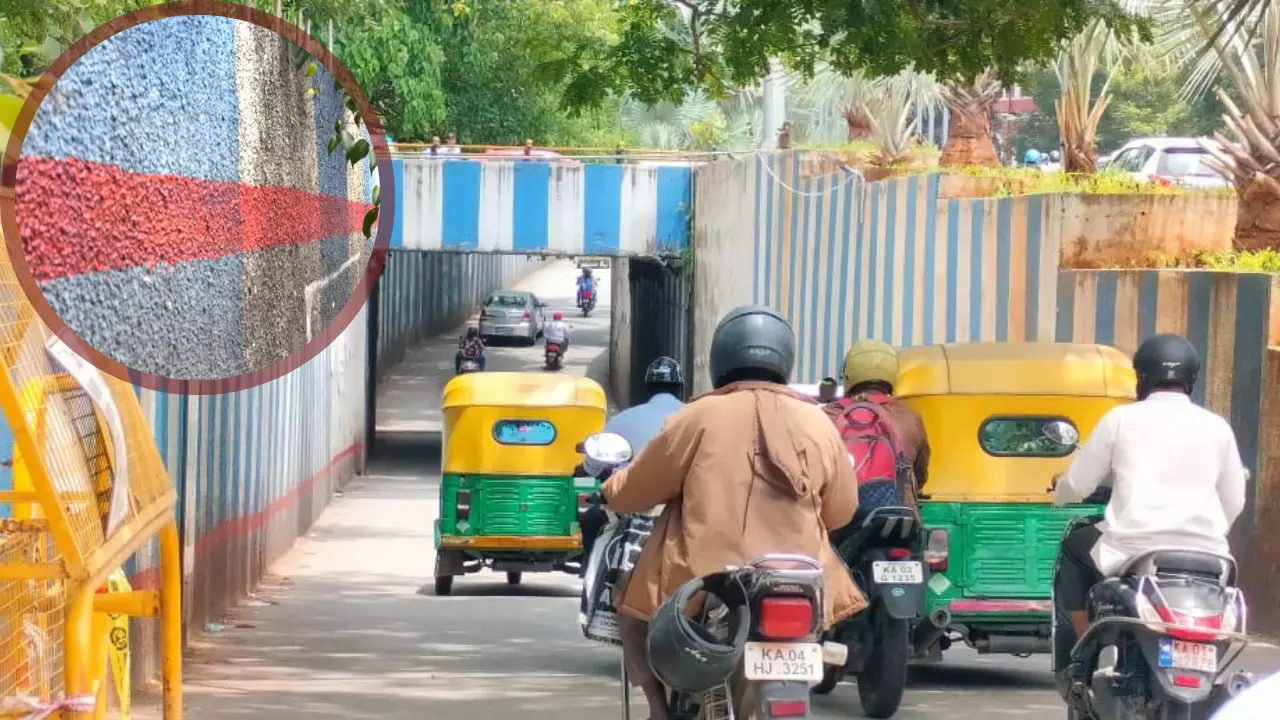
(1247, 261)
(1026, 181)
(661, 56)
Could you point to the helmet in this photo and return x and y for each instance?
(683, 653)
(752, 338)
(586, 272)
(1165, 360)
(558, 316)
(664, 371)
(473, 332)
(870, 361)
(1054, 155)
(1032, 157)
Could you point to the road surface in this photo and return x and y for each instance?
(347, 625)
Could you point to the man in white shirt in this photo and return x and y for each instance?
(557, 331)
(1173, 469)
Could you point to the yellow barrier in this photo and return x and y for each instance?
(89, 490)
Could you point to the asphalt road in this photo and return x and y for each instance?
(347, 626)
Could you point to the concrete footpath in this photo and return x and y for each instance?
(347, 626)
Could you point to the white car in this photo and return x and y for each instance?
(1167, 160)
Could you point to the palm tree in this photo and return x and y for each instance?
(1252, 61)
(829, 96)
(1078, 118)
(969, 139)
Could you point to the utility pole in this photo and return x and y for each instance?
(774, 100)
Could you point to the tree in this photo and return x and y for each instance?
(729, 44)
(1252, 62)
(1078, 119)
(969, 139)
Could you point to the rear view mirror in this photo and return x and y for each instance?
(1061, 433)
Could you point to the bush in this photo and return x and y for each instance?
(1026, 181)
(1244, 261)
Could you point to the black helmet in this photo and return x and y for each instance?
(1165, 360)
(752, 342)
(664, 372)
(683, 653)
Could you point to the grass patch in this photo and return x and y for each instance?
(1228, 260)
(1027, 181)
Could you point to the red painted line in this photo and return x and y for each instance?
(77, 217)
(211, 539)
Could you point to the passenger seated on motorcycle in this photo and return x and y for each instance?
(870, 370)
(746, 470)
(557, 331)
(586, 283)
(664, 382)
(472, 348)
(1173, 468)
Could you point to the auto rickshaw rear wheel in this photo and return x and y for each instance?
(513, 578)
(444, 585)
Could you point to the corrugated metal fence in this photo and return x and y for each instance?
(661, 316)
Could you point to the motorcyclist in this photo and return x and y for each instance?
(1032, 158)
(742, 471)
(471, 347)
(586, 284)
(870, 370)
(664, 383)
(557, 331)
(1173, 469)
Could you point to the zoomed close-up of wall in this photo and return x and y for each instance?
(178, 204)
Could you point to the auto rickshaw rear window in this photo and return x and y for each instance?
(1020, 436)
(524, 432)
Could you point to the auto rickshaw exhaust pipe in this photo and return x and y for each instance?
(1013, 645)
(928, 633)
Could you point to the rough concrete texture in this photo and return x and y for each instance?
(178, 316)
(179, 141)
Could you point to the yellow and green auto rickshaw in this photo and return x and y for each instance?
(509, 500)
(992, 530)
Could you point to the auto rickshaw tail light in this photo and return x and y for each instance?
(463, 509)
(938, 550)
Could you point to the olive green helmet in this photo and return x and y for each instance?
(870, 361)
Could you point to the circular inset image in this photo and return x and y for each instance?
(196, 197)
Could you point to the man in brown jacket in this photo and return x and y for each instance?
(746, 470)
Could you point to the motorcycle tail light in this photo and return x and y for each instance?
(788, 708)
(1190, 627)
(938, 550)
(785, 618)
(1186, 681)
(527, 315)
(898, 553)
(463, 509)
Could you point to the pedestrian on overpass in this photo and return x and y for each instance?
(664, 384)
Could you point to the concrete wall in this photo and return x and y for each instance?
(421, 294)
(620, 331)
(1120, 230)
(541, 208)
(185, 217)
(1262, 572)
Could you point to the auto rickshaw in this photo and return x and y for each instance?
(992, 531)
(509, 500)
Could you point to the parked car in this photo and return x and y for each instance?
(513, 314)
(1178, 160)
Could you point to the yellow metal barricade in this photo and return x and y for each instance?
(89, 490)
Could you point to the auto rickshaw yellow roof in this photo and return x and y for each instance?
(531, 389)
(1026, 368)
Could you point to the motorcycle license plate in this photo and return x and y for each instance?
(897, 573)
(1183, 655)
(801, 662)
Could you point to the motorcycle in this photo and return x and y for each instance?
(586, 301)
(885, 556)
(781, 599)
(1161, 634)
(554, 356)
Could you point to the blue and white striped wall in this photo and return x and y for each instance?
(540, 208)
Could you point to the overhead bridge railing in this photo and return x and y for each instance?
(89, 489)
(618, 153)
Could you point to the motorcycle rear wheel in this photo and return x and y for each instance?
(881, 685)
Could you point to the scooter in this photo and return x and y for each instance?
(586, 301)
(554, 356)
(1161, 633)
(776, 619)
(885, 556)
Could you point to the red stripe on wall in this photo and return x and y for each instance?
(211, 539)
(77, 217)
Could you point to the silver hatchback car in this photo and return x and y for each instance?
(512, 314)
